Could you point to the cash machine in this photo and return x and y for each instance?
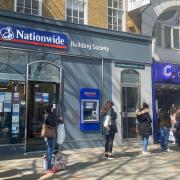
(89, 109)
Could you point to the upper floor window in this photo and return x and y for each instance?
(166, 30)
(115, 14)
(76, 11)
(33, 7)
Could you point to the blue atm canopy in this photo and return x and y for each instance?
(89, 109)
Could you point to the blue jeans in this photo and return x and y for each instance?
(50, 143)
(164, 137)
(145, 142)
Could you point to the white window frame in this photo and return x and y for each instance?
(175, 28)
(123, 25)
(39, 7)
(85, 11)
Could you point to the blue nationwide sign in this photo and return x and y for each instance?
(33, 37)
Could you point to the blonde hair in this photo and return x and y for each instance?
(107, 107)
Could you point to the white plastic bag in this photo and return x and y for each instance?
(107, 121)
(171, 137)
(60, 134)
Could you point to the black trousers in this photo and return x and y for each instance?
(109, 143)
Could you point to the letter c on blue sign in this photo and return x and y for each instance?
(168, 71)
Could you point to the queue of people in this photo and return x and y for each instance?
(168, 119)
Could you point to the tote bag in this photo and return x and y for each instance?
(107, 121)
(48, 131)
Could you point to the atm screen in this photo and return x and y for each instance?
(90, 110)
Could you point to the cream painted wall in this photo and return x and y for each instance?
(146, 94)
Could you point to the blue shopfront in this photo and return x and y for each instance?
(73, 67)
(166, 89)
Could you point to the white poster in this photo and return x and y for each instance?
(8, 96)
(135, 4)
(15, 107)
(15, 118)
(1, 106)
(15, 128)
(1, 96)
(7, 106)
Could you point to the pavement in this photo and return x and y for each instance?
(88, 164)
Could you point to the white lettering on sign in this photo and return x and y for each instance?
(134, 4)
(90, 47)
(35, 37)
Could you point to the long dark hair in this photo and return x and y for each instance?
(48, 108)
(165, 113)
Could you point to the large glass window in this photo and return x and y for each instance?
(176, 39)
(167, 37)
(75, 11)
(12, 96)
(28, 6)
(115, 14)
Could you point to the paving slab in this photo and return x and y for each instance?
(88, 163)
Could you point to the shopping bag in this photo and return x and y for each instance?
(107, 121)
(60, 134)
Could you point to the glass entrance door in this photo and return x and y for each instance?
(40, 93)
(130, 99)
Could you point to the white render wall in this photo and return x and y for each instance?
(146, 94)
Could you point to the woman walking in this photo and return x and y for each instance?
(144, 126)
(164, 125)
(110, 128)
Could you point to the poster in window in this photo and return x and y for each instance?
(15, 118)
(1, 106)
(45, 97)
(7, 96)
(15, 107)
(7, 106)
(1, 96)
(16, 96)
(15, 128)
(38, 97)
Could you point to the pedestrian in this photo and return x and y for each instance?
(144, 126)
(164, 124)
(177, 126)
(49, 132)
(110, 128)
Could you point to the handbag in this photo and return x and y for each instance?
(48, 131)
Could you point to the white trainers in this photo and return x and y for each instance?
(145, 153)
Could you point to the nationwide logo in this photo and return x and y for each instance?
(90, 94)
(33, 37)
(168, 71)
(6, 33)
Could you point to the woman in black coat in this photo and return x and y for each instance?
(144, 126)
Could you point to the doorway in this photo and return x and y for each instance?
(43, 85)
(129, 103)
(39, 94)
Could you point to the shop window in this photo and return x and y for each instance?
(76, 11)
(115, 14)
(130, 76)
(33, 7)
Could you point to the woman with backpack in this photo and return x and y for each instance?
(110, 128)
(164, 125)
(144, 126)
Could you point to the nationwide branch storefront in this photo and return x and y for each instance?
(75, 67)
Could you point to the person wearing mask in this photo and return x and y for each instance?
(110, 128)
(164, 125)
(144, 126)
(50, 120)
